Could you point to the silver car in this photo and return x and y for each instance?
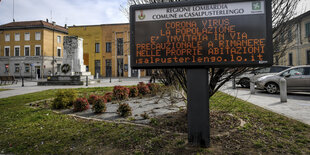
(244, 79)
(297, 79)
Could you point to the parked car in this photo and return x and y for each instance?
(244, 79)
(297, 79)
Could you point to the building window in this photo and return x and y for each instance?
(27, 68)
(308, 57)
(27, 36)
(58, 39)
(38, 36)
(108, 66)
(307, 29)
(6, 66)
(108, 47)
(119, 46)
(17, 37)
(27, 50)
(290, 59)
(289, 35)
(7, 37)
(277, 60)
(37, 50)
(16, 68)
(58, 51)
(97, 47)
(17, 51)
(58, 68)
(7, 51)
(97, 68)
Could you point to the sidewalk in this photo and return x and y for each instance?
(31, 86)
(297, 106)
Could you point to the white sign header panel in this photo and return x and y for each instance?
(201, 11)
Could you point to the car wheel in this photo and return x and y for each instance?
(245, 83)
(272, 88)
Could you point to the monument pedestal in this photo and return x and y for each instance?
(73, 68)
(62, 80)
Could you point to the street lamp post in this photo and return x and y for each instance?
(20, 73)
(31, 70)
(53, 62)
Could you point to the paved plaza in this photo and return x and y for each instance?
(297, 106)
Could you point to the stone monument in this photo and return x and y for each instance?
(73, 63)
(73, 70)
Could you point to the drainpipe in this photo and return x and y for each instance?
(298, 42)
(115, 46)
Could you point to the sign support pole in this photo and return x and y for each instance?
(198, 115)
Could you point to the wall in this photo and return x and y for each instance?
(91, 35)
(102, 34)
(44, 61)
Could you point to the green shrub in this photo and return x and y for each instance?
(99, 105)
(154, 88)
(124, 110)
(80, 104)
(91, 98)
(133, 92)
(143, 88)
(120, 92)
(108, 96)
(64, 99)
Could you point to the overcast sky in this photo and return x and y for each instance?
(78, 12)
(75, 12)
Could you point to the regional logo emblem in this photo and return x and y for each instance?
(141, 16)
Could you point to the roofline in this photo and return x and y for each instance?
(99, 25)
(33, 27)
(300, 17)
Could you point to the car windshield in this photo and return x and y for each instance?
(263, 70)
(272, 69)
(293, 72)
(277, 69)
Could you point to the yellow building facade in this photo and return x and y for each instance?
(31, 48)
(296, 43)
(106, 49)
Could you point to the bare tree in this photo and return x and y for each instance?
(282, 13)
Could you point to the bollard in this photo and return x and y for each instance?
(283, 91)
(234, 83)
(252, 85)
(22, 81)
(97, 75)
(86, 80)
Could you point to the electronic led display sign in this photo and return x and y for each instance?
(201, 34)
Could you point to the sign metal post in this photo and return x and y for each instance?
(198, 107)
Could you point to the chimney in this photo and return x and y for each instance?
(66, 26)
(46, 20)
